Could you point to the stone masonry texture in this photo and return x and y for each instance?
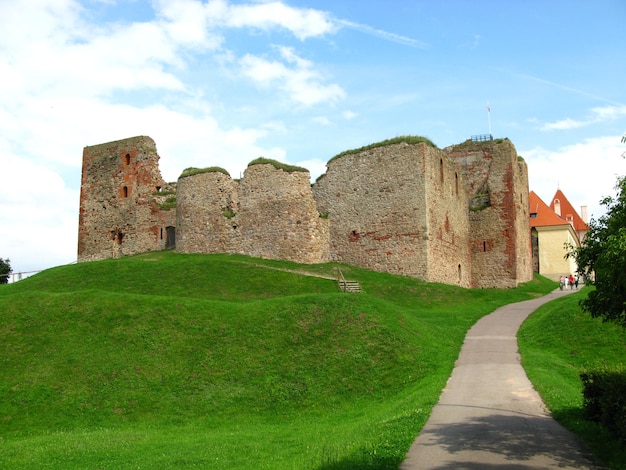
(119, 209)
(457, 216)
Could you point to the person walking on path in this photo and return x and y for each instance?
(489, 415)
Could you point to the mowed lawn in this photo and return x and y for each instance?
(166, 360)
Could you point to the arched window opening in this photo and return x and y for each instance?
(459, 270)
(161, 233)
(128, 158)
(484, 245)
(125, 191)
(120, 236)
(456, 183)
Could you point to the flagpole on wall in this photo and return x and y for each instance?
(489, 116)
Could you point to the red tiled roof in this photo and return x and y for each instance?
(545, 216)
(568, 212)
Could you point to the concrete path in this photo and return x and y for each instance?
(489, 415)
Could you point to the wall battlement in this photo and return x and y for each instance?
(457, 216)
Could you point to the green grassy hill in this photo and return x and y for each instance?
(166, 360)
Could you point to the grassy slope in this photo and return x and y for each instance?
(214, 361)
(558, 342)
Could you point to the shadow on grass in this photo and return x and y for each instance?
(604, 445)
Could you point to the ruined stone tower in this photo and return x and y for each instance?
(497, 182)
(457, 216)
(270, 213)
(121, 196)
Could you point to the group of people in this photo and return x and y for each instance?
(570, 281)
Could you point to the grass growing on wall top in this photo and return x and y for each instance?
(169, 203)
(276, 164)
(408, 139)
(196, 171)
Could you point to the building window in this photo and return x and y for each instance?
(125, 191)
(128, 158)
(456, 183)
(441, 169)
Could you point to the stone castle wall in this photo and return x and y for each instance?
(499, 223)
(447, 201)
(278, 217)
(204, 205)
(395, 209)
(119, 213)
(270, 213)
(399, 208)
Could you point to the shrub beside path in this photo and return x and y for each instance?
(489, 415)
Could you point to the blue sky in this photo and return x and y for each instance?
(222, 82)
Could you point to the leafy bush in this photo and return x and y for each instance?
(5, 270)
(604, 399)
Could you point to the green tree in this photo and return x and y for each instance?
(603, 255)
(5, 270)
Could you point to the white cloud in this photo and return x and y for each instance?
(39, 215)
(301, 82)
(302, 23)
(598, 115)
(586, 172)
(191, 23)
(564, 124)
(315, 166)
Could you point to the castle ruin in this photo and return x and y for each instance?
(457, 216)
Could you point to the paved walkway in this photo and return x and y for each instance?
(489, 415)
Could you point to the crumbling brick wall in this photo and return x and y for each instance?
(119, 214)
(499, 223)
